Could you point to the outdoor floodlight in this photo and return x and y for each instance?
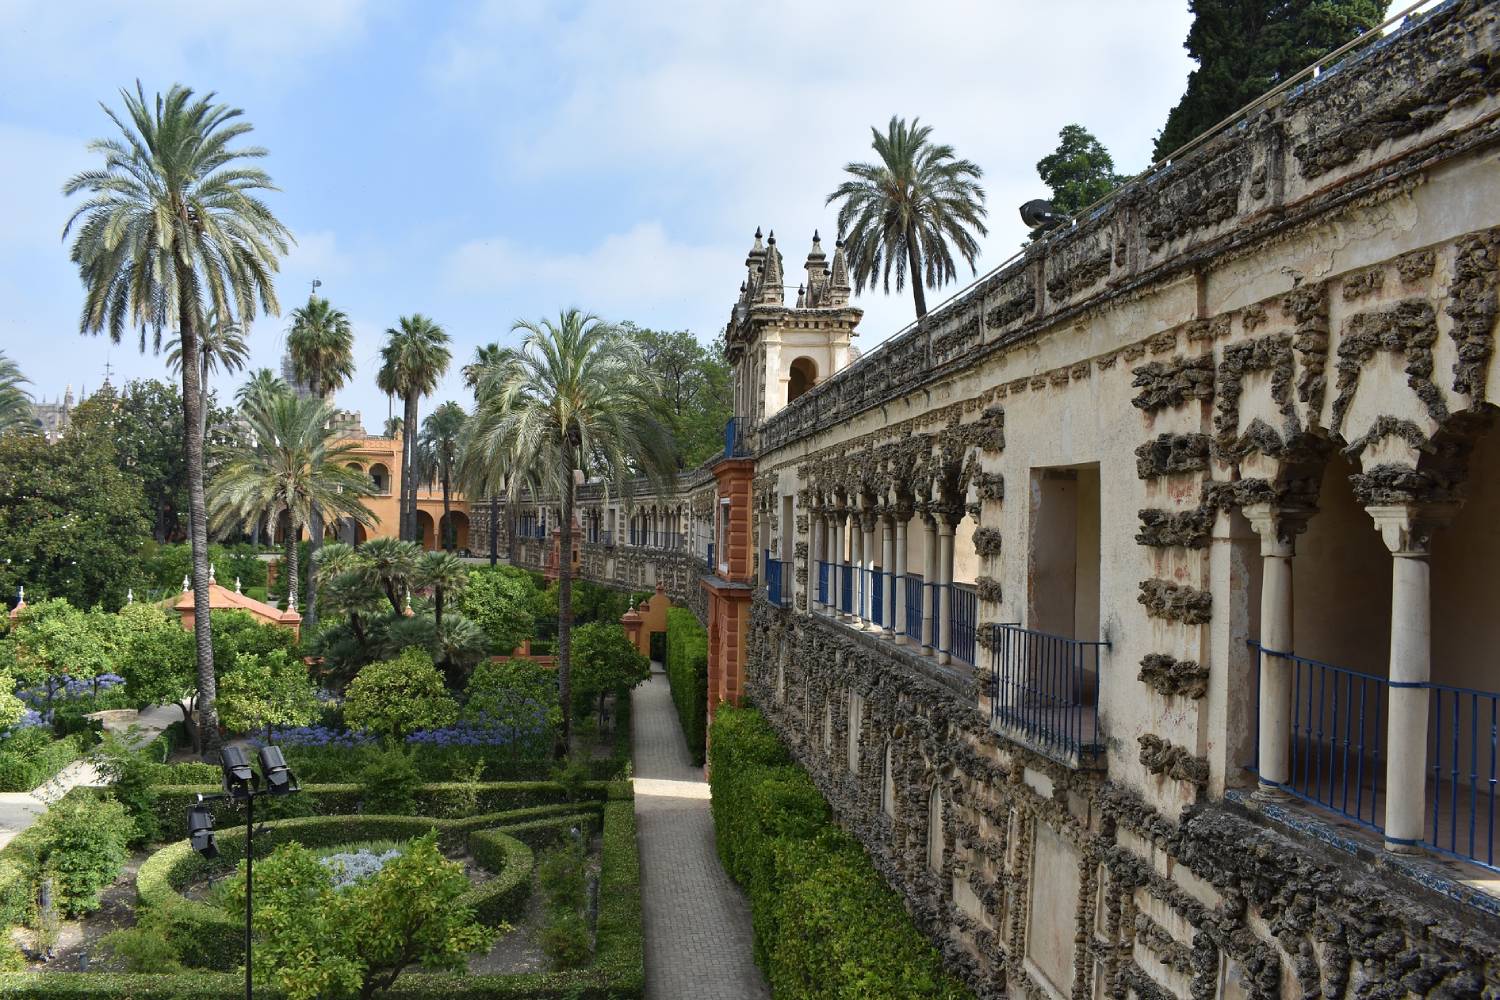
(279, 777)
(201, 831)
(239, 779)
(1040, 214)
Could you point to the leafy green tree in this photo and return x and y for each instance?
(259, 692)
(82, 842)
(414, 357)
(54, 642)
(240, 634)
(575, 399)
(910, 211)
(173, 226)
(317, 941)
(1080, 171)
(11, 707)
(1243, 48)
(15, 402)
(518, 697)
(71, 524)
(397, 696)
(295, 464)
(321, 345)
(501, 600)
(606, 662)
(696, 389)
(441, 432)
(156, 657)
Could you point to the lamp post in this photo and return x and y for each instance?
(241, 785)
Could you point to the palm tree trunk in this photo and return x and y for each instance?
(192, 410)
(447, 516)
(914, 272)
(565, 615)
(293, 530)
(408, 467)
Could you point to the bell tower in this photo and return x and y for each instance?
(778, 352)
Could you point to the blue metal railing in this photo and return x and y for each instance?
(846, 589)
(876, 580)
(775, 580)
(1465, 726)
(913, 595)
(711, 564)
(822, 582)
(730, 439)
(1046, 688)
(963, 616)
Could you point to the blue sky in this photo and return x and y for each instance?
(480, 162)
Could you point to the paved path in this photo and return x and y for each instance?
(18, 810)
(697, 921)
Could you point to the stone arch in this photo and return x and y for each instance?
(888, 781)
(456, 525)
(426, 536)
(856, 710)
(803, 376)
(935, 836)
(380, 477)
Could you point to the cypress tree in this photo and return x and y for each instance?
(1245, 47)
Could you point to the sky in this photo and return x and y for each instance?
(481, 162)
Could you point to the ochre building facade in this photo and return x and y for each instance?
(1137, 610)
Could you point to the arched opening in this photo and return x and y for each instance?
(935, 830)
(425, 534)
(380, 477)
(803, 376)
(856, 721)
(888, 784)
(455, 533)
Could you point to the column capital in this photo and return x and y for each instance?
(867, 519)
(1278, 526)
(1407, 528)
(945, 526)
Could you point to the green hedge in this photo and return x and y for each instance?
(617, 972)
(212, 937)
(23, 771)
(826, 924)
(439, 799)
(687, 671)
(321, 765)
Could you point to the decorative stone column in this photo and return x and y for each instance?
(945, 590)
(814, 558)
(840, 562)
(856, 563)
(887, 564)
(868, 550)
(1407, 531)
(929, 585)
(1278, 527)
(898, 580)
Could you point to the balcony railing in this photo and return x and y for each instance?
(912, 588)
(711, 564)
(1337, 758)
(963, 617)
(1045, 689)
(846, 588)
(775, 581)
(823, 572)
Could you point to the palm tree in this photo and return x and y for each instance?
(15, 402)
(906, 210)
(262, 382)
(441, 432)
(221, 347)
(446, 576)
(294, 465)
(485, 355)
(414, 357)
(575, 398)
(392, 427)
(174, 225)
(321, 345)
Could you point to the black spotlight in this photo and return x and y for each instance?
(1040, 214)
(279, 777)
(201, 831)
(239, 779)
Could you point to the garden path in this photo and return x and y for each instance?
(697, 922)
(18, 810)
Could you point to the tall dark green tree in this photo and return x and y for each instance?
(174, 226)
(1245, 47)
(909, 212)
(1079, 171)
(695, 388)
(439, 444)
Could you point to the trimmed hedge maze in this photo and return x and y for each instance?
(518, 819)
